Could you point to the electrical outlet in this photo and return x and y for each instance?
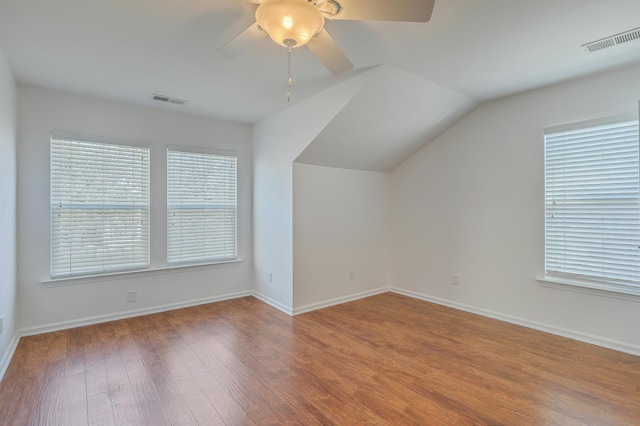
(270, 277)
(1, 321)
(455, 279)
(132, 295)
(352, 274)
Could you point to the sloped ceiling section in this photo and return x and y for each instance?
(392, 116)
(285, 134)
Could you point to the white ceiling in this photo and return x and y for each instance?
(129, 49)
(387, 120)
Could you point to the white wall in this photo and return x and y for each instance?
(277, 142)
(471, 203)
(40, 305)
(340, 224)
(7, 209)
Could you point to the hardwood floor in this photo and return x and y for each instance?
(387, 359)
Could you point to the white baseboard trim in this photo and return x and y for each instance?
(339, 300)
(8, 355)
(64, 325)
(560, 331)
(269, 301)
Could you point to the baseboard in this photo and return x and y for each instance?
(338, 300)
(8, 355)
(269, 301)
(560, 331)
(64, 325)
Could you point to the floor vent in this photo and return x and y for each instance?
(614, 40)
(163, 98)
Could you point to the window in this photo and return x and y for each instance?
(592, 203)
(201, 206)
(99, 206)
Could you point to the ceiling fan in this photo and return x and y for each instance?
(295, 23)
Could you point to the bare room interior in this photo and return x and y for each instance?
(319, 212)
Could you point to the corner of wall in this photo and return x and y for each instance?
(467, 225)
(276, 144)
(8, 215)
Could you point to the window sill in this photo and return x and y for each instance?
(59, 282)
(600, 289)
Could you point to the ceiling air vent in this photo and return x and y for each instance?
(163, 98)
(613, 40)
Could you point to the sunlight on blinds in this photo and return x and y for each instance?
(592, 201)
(201, 207)
(99, 206)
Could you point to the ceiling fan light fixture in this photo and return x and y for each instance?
(290, 22)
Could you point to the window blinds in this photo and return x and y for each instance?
(99, 206)
(592, 206)
(201, 206)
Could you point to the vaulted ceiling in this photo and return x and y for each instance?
(424, 76)
(391, 116)
(129, 49)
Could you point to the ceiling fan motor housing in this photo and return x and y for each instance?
(290, 22)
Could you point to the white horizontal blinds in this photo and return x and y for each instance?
(201, 207)
(99, 206)
(592, 201)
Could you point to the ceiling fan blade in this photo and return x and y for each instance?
(242, 41)
(329, 53)
(386, 10)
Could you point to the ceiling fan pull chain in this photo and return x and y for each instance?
(290, 80)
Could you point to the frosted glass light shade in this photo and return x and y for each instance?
(284, 20)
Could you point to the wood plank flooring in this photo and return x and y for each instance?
(384, 360)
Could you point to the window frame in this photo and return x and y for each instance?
(210, 260)
(577, 281)
(145, 242)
